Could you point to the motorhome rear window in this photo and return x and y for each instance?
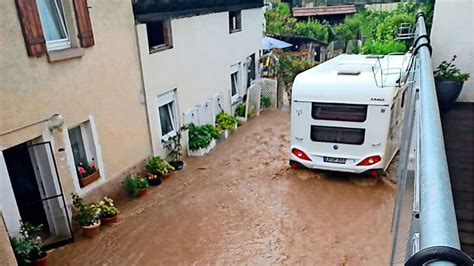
(338, 135)
(339, 112)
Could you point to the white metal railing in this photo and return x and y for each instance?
(424, 225)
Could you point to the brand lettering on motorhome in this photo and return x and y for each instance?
(377, 99)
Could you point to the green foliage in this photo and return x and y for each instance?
(311, 28)
(225, 121)
(289, 66)
(378, 47)
(265, 101)
(28, 246)
(279, 21)
(158, 166)
(240, 110)
(449, 71)
(107, 208)
(201, 136)
(133, 183)
(86, 214)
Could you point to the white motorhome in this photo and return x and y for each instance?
(346, 113)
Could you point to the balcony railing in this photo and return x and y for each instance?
(424, 225)
(146, 10)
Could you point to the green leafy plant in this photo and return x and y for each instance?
(383, 47)
(107, 208)
(201, 136)
(28, 246)
(225, 121)
(85, 214)
(291, 65)
(158, 166)
(265, 101)
(449, 71)
(133, 183)
(240, 110)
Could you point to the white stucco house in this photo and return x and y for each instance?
(197, 59)
(451, 34)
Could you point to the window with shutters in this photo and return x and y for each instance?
(53, 23)
(159, 35)
(235, 21)
(44, 24)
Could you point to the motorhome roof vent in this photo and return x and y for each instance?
(348, 72)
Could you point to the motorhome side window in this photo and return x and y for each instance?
(339, 112)
(341, 135)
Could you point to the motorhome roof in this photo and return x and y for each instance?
(351, 77)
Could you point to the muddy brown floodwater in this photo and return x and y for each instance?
(242, 204)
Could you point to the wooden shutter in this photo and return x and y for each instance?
(31, 27)
(84, 25)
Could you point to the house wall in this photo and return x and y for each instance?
(103, 86)
(6, 252)
(452, 33)
(199, 63)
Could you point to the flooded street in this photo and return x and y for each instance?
(242, 204)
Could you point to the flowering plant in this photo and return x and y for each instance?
(107, 208)
(449, 71)
(86, 169)
(86, 214)
(28, 247)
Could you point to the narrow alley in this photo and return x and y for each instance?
(243, 204)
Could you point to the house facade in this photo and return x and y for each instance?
(453, 19)
(71, 94)
(197, 60)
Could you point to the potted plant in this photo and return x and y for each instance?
(107, 211)
(201, 139)
(173, 145)
(240, 111)
(266, 102)
(159, 167)
(28, 247)
(154, 180)
(88, 173)
(135, 185)
(449, 81)
(225, 123)
(87, 215)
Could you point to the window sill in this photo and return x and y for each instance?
(235, 31)
(160, 48)
(61, 55)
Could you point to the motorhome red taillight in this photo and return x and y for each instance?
(300, 154)
(370, 161)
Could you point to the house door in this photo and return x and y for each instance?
(38, 192)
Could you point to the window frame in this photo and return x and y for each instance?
(315, 105)
(58, 44)
(163, 100)
(235, 69)
(363, 130)
(235, 16)
(88, 143)
(166, 45)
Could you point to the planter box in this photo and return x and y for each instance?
(203, 151)
(85, 181)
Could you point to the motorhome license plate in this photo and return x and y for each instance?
(334, 160)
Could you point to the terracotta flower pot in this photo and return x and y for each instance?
(41, 261)
(166, 176)
(89, 179)
(91, 231)
(141, 192)
(109, 220)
